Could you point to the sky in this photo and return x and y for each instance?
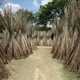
(31, 5)
(27, 4)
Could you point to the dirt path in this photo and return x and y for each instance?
(39, 66)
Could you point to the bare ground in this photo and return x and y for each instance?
(39, 66)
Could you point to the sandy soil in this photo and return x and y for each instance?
(39, 66)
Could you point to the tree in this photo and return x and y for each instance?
(49, 11)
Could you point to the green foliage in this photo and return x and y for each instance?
(49, 11)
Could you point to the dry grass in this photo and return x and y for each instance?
(67, 49)
(4, 73)
(66, 46)
(13, 43)
(17, 48)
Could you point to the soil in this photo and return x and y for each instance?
(39, 66)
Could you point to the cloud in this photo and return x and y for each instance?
(36, 4)
(13, 7)
(44, 2)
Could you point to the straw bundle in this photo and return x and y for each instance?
(66, 46)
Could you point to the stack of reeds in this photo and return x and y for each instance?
(3, 70)
(14, 43)
(17, 48)
(4, 73)
(66, 46)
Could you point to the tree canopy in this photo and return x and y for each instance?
(49, 11)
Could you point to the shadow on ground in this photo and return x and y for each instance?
(4, 73)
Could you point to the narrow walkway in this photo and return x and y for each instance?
(39, 66)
